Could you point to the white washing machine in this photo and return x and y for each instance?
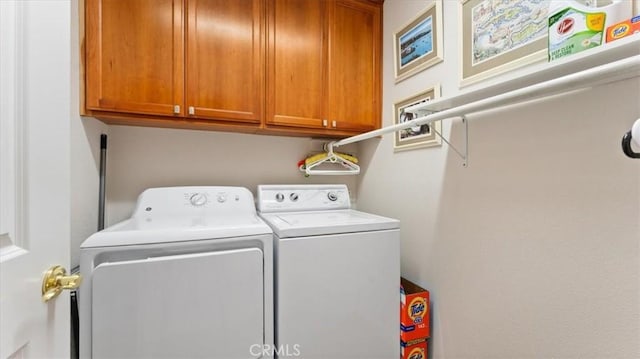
(189, 275)
(337, 274)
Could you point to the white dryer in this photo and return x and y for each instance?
(189, 275)
(337, 274)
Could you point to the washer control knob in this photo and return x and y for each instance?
(198, 199)
(293, 197)
(279, 197)
(222, 197)
(332, 196)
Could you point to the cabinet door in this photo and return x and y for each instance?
(296, 63)
(354, 66)
(135, 56)
(225, 59)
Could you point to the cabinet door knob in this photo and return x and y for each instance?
(192, 110)
(176, 109)
(334, 124)
(324, 123)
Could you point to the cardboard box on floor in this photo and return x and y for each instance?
(415, 349)
(414, 311)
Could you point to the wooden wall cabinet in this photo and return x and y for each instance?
(135, 56)
(291, 67)
(323, 65)
(136, 52)
(225, 60)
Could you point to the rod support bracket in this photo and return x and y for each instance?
(328, 147)
(464, 155)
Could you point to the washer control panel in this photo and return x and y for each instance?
(291, 198)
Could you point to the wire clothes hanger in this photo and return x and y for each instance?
(312, 165)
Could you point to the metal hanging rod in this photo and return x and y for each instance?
(600, 75)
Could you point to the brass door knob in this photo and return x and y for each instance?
(56, 280)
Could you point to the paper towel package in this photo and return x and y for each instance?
(575, 26)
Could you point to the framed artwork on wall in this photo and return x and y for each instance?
(418, 44)
(498, 36)
(417, 136)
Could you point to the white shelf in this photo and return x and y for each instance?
(612, 62)
(541, 72)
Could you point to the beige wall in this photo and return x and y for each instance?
(85, 155)
(152, 157)
(533, 250)
(85, 168)
(140, 158)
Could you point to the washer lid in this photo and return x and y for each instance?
(314, 223)
(147, 230)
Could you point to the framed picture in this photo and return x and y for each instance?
(498, 36)
(418, 44)
(417, 136)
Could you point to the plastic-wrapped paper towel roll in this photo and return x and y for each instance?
(635, 133)
(578, 25)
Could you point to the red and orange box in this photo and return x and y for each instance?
(623, 29)
(415, 349)
(414, 312)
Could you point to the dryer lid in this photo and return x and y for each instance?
(314, 223)
(174, 214)
(162, 230)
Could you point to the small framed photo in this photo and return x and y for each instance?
(499, 36)
(418, 44)
(417, 136)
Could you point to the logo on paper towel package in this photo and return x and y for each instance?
(417, 310)
(565, 26)
(417, 353)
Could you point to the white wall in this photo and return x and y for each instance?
(533, 250)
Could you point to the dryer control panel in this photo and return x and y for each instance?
(190, 200)
(294, 198)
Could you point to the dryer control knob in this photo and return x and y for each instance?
(198, 199)
(279, 197)
(222, 198)
(332, 196)
(293, 197)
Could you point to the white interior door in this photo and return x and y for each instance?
(34, 174)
